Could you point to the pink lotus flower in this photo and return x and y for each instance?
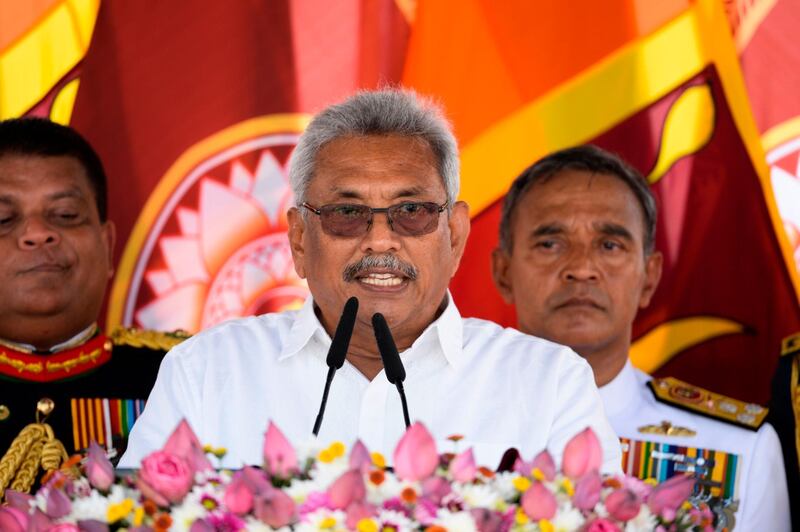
(358, 511)
(601, 525)
(64, 527)
(538, 502)
(274, 508)
(165, 478)
(13, 519)
(668, 496)
(17, 499)
(238, 496)
(489, 521)
(544, 463)
(623, 504)
(98, 468)
(587, 491)
(582, 454)
(184, 443)
(347, 489)
(435, 489)
(415, 457)
(57, 504)
(279, 456)
(360, 458)
(463, 468)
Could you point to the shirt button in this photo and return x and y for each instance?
(4, 412)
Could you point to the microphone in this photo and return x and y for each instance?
(395, 372)
(337, 352)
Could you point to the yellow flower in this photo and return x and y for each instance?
(367, 525)
(521, 517)
(328, 522)
(537, 474)
(220, 452)
(522, 484)
(545, 525)
(119, 511)
(337, 449)
(378, 460)
(686, 505)
(651, 481)
(569, 489)
(138, 516)
(326, 456)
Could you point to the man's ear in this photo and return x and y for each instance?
(653, 264)
(500, 266)
(459, 224)
(109, 231)
(297, 227)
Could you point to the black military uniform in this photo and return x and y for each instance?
(91, 391)
(784, 415)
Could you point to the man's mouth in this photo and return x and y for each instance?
(46, 267)
(381, 279)
(579, 302)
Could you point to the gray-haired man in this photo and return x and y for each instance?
(375, 180)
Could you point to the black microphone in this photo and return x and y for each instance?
(395, 372)
(337, 352)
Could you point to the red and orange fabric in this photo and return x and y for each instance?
(659, 84)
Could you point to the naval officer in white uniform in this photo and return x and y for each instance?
(376, 216)
(576, 257)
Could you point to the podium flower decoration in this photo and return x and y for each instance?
(331, 489)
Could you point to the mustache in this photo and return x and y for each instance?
(384, 262)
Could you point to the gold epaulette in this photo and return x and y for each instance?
(158, 340)
(700, 401)
(791, 345)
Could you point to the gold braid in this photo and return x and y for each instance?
(26, 474)
(11, 461)
(35, 445)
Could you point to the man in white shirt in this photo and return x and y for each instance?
(577, 258)
(375, 181)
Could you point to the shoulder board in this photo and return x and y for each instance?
(791, 345)
(158, 340)
(713, 405)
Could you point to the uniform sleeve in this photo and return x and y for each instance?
(579, 406)
(765, 503)
(174, 397)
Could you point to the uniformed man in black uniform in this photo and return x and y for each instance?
(784, 414)
(63, 382)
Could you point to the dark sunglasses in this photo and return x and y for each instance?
(412, 218)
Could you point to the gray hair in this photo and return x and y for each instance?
(382, 112)
(588, 158)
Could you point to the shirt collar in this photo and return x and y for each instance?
(448, 328)
(78, 339)
(621, 392)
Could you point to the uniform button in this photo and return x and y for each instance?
(45, 406)
(4, 412)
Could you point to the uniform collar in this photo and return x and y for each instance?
(621, 392)
(447, 330)
(80, 338)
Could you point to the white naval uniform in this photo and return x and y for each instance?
(762, 493)
(496, 387)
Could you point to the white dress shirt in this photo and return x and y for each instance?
(496, 387)
(762, 493)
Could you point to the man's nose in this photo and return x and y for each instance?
(380, 237)
(581, 265)
(36, 233)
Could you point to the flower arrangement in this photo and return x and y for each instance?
(331, 489)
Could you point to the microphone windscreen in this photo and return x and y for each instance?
(395, 372)
(344, 331)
